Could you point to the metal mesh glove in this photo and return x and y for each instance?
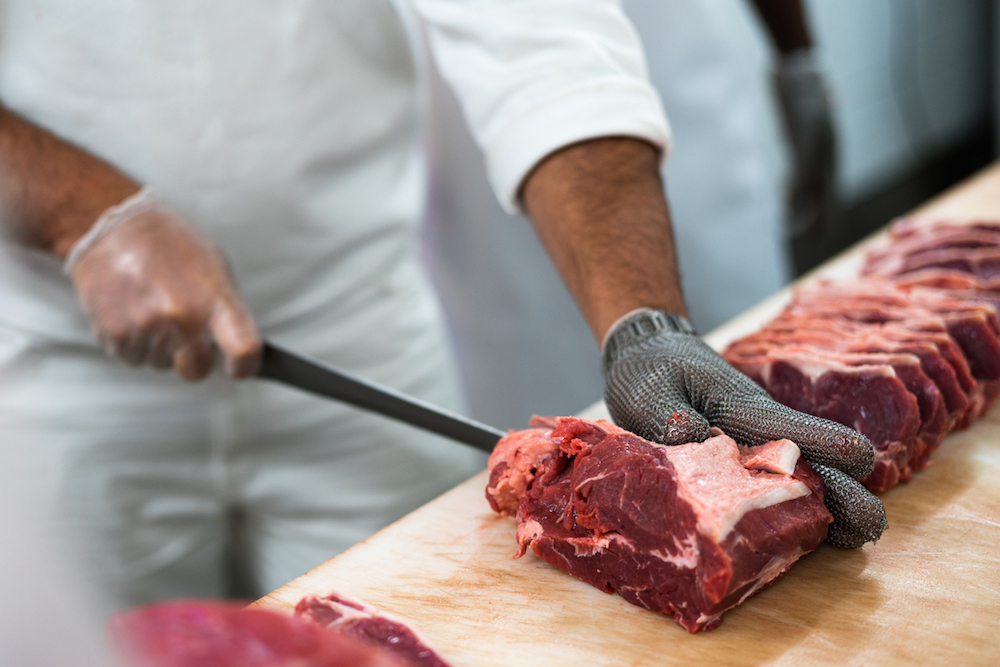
(159, 292)
(666, 385)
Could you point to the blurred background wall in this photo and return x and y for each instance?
(912, 82)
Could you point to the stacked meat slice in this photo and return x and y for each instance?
(904, 355)
(966, 247)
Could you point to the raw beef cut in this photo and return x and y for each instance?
(800, 357)
(834, 336)
(958, 284)
(981, 262)
(223, 634)
(886, 397)
(973, 325)
(903, 228)
(920, 328)
(689, 531)
(971, 356)
(354, 618)
(916, 245)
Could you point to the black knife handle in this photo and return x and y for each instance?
(319, 378)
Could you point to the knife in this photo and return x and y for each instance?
(323, 379)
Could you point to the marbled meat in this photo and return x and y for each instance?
(690, 531)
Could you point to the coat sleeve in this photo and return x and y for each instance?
(533, 76)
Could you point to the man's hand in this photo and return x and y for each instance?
(664, 384)
(159, 292)
(156, 289)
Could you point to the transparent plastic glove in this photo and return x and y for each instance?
(159, 292)
(666, 385)
(808, 121)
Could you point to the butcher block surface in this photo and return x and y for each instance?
(927, 593)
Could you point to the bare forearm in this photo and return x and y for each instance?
(786, 23)
(51, 191)
(600, 211)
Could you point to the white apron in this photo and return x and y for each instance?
(289, 131)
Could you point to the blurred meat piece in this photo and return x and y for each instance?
(200, 633)
(353, 618)
(915, 245)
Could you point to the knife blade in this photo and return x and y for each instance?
(316, 377)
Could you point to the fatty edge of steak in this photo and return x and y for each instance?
(712, 479)
(778, 456)
(815, 367)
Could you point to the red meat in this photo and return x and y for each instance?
(689, 531)
(192, 633)
(353, 618)
(866, 392)
(850, 351)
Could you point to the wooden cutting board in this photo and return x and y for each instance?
(927, 593)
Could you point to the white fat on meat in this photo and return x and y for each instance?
(714, 479)
(814, 366)
(686, 554)
(777, 456)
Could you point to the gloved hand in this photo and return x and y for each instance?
(808, 121)
(666, 385)
(159, 292)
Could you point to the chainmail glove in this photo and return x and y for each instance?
(666, 385)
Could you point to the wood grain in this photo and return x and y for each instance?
(927, 593)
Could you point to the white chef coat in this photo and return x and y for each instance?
(289, 131)
(724, 185)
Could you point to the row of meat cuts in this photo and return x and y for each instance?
(905, 353)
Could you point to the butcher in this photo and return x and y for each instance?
(180, 179)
